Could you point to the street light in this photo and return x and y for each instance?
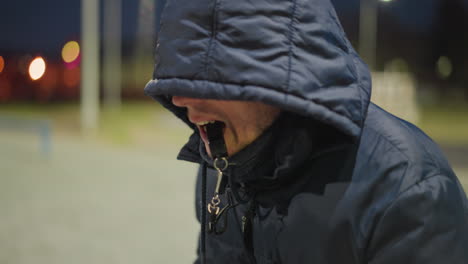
(368, 19)
(37, 68)
(2, 64)
(90, 66)
(112, 55)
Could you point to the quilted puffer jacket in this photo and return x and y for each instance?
(340, 180)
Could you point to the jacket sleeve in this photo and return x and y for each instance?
(427, 223)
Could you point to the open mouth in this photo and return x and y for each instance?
(211, 130)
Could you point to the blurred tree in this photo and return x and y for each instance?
(145, 42)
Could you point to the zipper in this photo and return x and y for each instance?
(247, 229)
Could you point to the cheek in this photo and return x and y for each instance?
(246, 130)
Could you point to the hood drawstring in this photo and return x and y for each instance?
(247, 229)
(203, 215)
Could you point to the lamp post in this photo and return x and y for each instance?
(368, 19)
(112, 55)
(90, 66)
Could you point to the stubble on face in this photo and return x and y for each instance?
(256, 118)
(244, 121)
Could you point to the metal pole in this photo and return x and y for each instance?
(90, 66)
(368, 32)
(143, 62)
(112, 59)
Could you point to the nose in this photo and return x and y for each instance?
(182, 101)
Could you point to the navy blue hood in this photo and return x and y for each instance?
(313, 196)
(290, 54)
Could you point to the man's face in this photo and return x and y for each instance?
(244, 121)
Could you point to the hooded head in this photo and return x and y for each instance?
(292, 55)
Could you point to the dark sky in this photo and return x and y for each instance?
(37, 24)
(45, 25)
(416, 15)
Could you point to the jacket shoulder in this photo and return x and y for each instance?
(390, 141)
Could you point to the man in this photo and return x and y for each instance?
(297, 165)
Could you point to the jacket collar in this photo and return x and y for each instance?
(270, 160)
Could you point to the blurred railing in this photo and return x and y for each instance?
(42, 128)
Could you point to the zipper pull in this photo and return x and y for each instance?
(220, 165)
(215, 134)
(244, 222)
(213, 208)
(247, 218)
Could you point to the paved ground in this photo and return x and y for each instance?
(98, 204)
(93, 204)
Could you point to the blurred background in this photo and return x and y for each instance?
(87, 162)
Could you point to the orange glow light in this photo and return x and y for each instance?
(5, 90)
(37, 68)
(71, 77)
(2, 64)
(70, 51)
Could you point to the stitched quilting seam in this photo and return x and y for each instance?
(291, 30)
(214, 32)
(265, 87)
